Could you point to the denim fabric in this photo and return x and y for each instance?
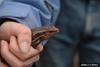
(79, 24)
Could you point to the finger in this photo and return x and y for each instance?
(39, 47)
(9, 57)
(13, 47)
(32, 60)
(24, 40)
(33, 52)
(2, 64)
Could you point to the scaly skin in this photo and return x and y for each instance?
(39, 34)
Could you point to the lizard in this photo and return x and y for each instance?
(39, 34)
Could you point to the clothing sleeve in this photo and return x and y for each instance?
(32, 13)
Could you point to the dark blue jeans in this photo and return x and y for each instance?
(79, 24)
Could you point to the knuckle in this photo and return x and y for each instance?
(19, 65)
(23, 58)
(37, 58)
(27, 31)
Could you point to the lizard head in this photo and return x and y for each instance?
(40, 34)
(47, 31)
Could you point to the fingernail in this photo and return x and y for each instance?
(24, 47)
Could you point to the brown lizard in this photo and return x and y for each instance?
(39, 34)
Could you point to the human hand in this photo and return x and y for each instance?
(21, 32)
(11, 54)
(2, 64)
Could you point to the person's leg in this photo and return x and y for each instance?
(90, 50)
(60, 49)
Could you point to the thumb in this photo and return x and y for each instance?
(24, 41)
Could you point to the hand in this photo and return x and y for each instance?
(18, 30)
(12, 55)
(2, 64)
